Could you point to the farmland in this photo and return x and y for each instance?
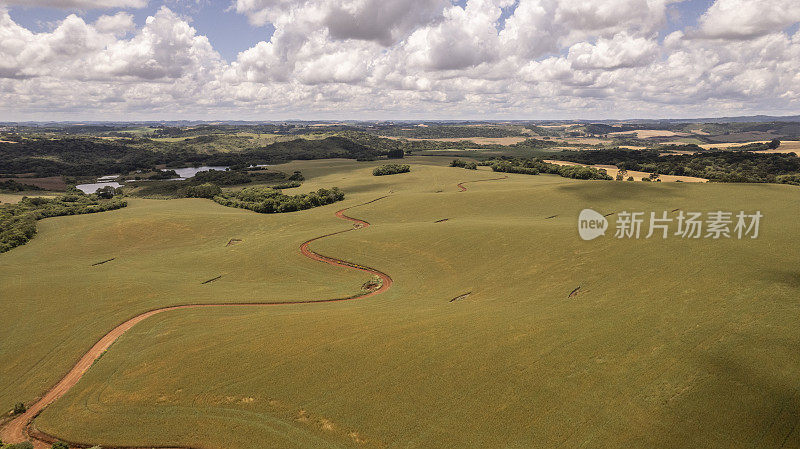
(478, 343)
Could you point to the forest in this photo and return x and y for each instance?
(719, 166)
(71, 156)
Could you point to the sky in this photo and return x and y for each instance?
(123, 60)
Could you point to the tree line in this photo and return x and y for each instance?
(536, 166)
(266, 200)
(391, 169)
(719, 166)
(18, 221)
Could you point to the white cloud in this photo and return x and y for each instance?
(741, 19)
(620, 51)
(119, 24)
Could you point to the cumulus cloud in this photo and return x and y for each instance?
(359, 58)
(620, 51)
(167, 47)
(119, 24)
(741, 19)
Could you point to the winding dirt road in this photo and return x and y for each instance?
(17, 430)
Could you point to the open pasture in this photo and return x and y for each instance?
(479, 342)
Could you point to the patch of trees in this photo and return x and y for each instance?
(537, 166)
(14, 186)
(266, 200)
(391, 169)
(469, 165)
(395, 153)
(163, 174)
(687, 147)
(720, 166)
(227, 177)
(793, 179)
(206, 190)
(759, 146)
(18, 221)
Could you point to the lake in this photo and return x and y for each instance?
(186, 173)
(183, 174)
(94, 187)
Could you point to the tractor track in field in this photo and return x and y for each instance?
(19, 428)
(463, 188)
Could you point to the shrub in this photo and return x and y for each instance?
(59, 445)
(469, 165)
(106, 192)
(207, 190)
(19, 408)
(23, 445)
(391, 169)
(287, 185)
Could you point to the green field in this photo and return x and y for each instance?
(669, 343)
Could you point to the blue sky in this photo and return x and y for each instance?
(392, 59)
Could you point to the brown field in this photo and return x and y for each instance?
(50, 183)
(13, 198)
(637, 175)
(585, 140)
(788, 146)
(647, 133)
(709, 146)
(745, 137)
(478, 140)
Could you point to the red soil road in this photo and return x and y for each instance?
(17, 430)
(463, 188)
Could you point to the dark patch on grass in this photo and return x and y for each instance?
(441, 221)
(552, 216)
(105, 261)
(574, 292)
(211, 280)
(460, 297)
(674, 210)
(608, 215)
(233, 242)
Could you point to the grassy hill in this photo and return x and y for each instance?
(668, 343)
